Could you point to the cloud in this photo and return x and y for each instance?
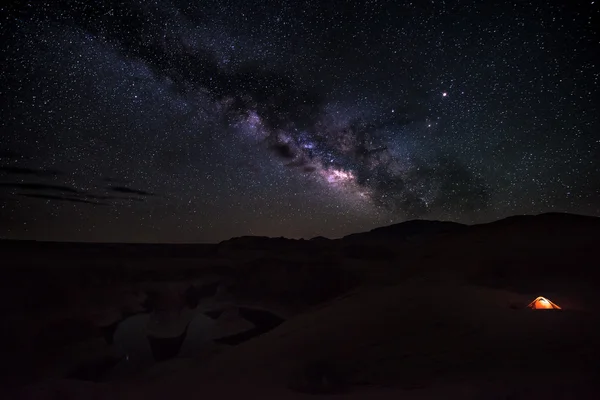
(61, 198)
(73, 195)
(39, 186)
(113, 198)
(41, 173)
(123, 189)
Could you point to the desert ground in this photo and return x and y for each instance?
(418, 310)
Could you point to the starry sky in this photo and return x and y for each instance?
(197, 121)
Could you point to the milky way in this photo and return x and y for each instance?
(197, 121)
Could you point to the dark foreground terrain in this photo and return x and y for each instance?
(418, 310)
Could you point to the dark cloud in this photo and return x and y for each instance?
(61, 198)
(71, 194)
(113, 198)
(41, 173)
(39, 186)
(123, 189)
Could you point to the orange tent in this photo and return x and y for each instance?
(542, 303)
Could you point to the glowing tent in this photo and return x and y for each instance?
(542, 303)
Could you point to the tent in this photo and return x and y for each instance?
(541, 303)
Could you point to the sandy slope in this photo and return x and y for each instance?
(419, 341)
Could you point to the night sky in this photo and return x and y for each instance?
(197, 121)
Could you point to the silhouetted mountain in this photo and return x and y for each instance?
(554, 219)
(320, 239)
(526, 252)
(407, 230)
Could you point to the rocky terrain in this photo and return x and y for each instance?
(423, 309)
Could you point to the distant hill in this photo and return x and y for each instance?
(407, 230)
(552, 218)
(524, 252)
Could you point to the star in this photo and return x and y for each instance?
(160, 124)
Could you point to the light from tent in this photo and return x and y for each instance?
(542, 303)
